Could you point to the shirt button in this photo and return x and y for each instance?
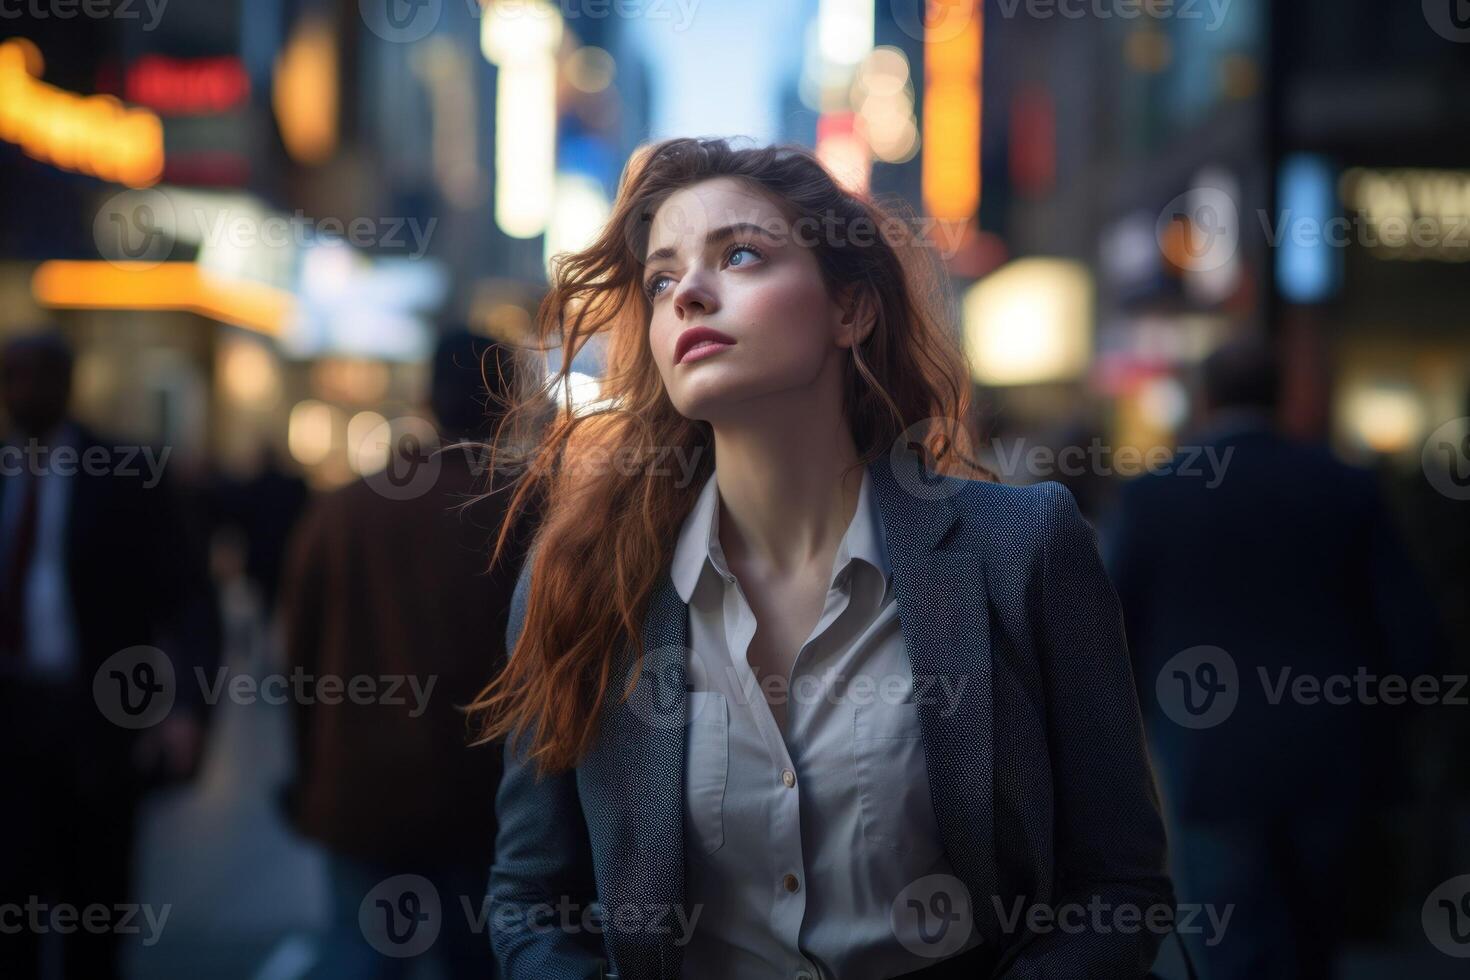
(791, 883)
(788, 777)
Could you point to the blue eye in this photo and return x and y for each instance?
(652, 289)
(742, 248)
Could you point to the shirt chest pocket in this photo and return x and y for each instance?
(706, 768)
(892, 783)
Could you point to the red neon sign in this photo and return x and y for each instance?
(194, 86)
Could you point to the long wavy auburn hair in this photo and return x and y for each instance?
(609, 500)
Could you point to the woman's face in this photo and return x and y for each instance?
(722, 256)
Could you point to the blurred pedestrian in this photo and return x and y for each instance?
(95, 562)
(262, 508)
(1247, 564)
(387, 588)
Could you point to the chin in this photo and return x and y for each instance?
(711, 400)
(703, 409)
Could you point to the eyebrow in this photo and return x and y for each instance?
(718, 235)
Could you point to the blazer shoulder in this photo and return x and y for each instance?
(1018, 523)
(1047, 504)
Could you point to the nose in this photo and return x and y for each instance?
(694, 295)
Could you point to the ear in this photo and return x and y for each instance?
(857, 314)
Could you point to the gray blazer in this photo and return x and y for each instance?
(1040, 780)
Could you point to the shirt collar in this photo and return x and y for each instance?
(698, 544)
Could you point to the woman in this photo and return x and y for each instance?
(784, 700)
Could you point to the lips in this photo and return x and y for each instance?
(698, 342)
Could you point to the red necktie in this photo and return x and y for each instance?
(22, 549)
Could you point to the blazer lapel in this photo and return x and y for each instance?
(945, 616)
(637, 780)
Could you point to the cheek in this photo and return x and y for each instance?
(663, 331)
(788, 318)
(783, 323)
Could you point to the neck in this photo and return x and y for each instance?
(779, 466)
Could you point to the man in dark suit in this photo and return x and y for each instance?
(94, 564)
(387, 579)
(1238, 578)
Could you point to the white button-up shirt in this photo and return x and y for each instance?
(799, 848)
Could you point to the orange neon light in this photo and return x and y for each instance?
(163, 286)
(950, 170)
(90, 134)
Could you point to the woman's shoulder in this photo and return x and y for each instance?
(1017, 524)
(1047, 506)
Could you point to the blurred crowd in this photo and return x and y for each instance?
(128, 600)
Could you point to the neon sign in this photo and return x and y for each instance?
(92, 134)
(193, 86)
